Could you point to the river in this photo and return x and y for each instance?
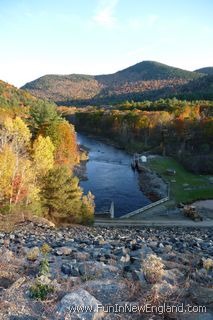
(111, 178)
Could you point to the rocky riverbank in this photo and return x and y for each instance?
(80, 170)
(152, 185)
(99, 267)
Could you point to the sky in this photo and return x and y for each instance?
(39, 37)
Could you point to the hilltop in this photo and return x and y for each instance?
(148, 70)
(142, 80)
(206, 70)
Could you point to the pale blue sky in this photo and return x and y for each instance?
(101, 36)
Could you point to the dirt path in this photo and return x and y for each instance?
(205, 204)
(151, 223)
(162, 216)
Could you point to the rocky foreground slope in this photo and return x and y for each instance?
(98, 267)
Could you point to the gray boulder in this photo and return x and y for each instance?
(80, 304)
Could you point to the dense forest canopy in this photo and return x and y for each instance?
(181, 129)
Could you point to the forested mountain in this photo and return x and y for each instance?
(207, 70)
(147, 79)
(147, 70)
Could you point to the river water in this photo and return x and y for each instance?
(111, 178)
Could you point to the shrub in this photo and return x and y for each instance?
(153, 268)
(45, 249)
(41, 288)
(42, 285)
(33, 254)
(207, 264)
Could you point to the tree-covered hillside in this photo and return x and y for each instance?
(201, 88)
(147, 79)
(64, 87)
(11, 97)
(38, 151)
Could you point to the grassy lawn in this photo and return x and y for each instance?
(187, 187)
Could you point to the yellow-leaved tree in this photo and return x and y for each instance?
(7, 164)
(16, 133)
(43, 155)
(16, 174)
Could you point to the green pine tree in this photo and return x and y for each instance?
(61, 195)
(42, 114)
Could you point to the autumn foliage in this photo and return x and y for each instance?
(38, 150)
(181, 129)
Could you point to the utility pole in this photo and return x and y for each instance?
(164, 133)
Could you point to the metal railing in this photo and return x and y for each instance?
(149, 206)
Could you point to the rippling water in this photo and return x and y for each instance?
(111, 178)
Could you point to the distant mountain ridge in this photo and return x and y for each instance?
(149, 70)
(146, 79)
(206, 70)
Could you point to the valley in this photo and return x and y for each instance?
(78, 224)
(106, 160)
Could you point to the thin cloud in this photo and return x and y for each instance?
(105, 14)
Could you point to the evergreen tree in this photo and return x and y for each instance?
(42, 114)
(87, 210)
(61, 195)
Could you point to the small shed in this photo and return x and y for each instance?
(143, 159)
